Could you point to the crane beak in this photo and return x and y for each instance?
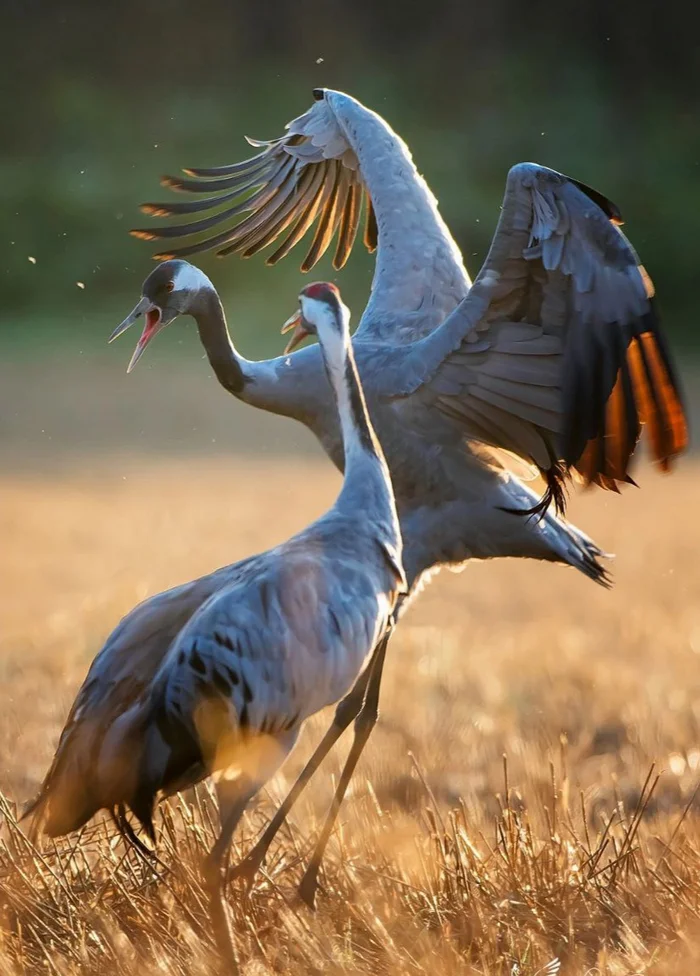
(145, 305)
(156, 319)
(297, 323)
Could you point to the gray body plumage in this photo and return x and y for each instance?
(218, 675)
(553, 357)
(450, 494)
(287, 637)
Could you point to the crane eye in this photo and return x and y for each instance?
(170, 285)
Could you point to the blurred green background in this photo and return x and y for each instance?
(100, 99)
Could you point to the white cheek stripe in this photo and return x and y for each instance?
(189, 278)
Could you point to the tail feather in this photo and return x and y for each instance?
(93, 769)
(574, 547)
(149, 781)
(65, 801)
(170, 760)
(138, 757)
(548, 535)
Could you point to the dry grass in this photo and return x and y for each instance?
(439, 866)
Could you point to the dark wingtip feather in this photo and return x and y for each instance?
(155, 209)
(229, 170)
(238, 181)
(171, 183)
(371, 234)
(646, 390)
(610, 209)
(658, 390)
(328, 200)
(186, 207)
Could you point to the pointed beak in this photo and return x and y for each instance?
(156, 319)
(295, 322)
(145, 305)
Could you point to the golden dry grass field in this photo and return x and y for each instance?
(588, 861)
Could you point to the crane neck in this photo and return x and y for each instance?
(367, 484)
(415, 244)
(231, 369)
(358, 435)
(266, 384)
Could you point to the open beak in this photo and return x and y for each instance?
(156, 319)
(296, 322)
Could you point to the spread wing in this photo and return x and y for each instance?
(308, 177)
(556, 354)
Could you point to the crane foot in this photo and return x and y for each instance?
(246, 869)
(308, 887)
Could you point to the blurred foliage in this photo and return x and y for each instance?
(101, 99)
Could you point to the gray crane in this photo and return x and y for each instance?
(554, 356)
(275, 639)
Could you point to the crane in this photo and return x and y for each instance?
(224, 687)
(550, 363)
(555, 354)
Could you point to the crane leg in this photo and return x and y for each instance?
(347, 710)
(239, 795)
(364, 723)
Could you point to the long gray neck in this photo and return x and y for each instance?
(416, 250)
(367, 484)
(262, 384)
(232, 371)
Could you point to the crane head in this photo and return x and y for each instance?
(170, 290)
(320, 300)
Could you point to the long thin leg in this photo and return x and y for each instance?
(364, 724)
(213, 872)
(128, 833)
(347, 709)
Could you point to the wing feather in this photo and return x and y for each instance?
(281, 211)
(348, 228)
(371, 234)
(257, 202)
(314, 153)
(535, 413)
(295, 198)
(502, 427)
(326, 226)
(253, 176)
(574, 346)
(536, 370)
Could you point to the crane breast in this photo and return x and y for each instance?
(264, 655)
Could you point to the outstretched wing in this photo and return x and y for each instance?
(556, 354)
(334, 160)
(310, 176)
